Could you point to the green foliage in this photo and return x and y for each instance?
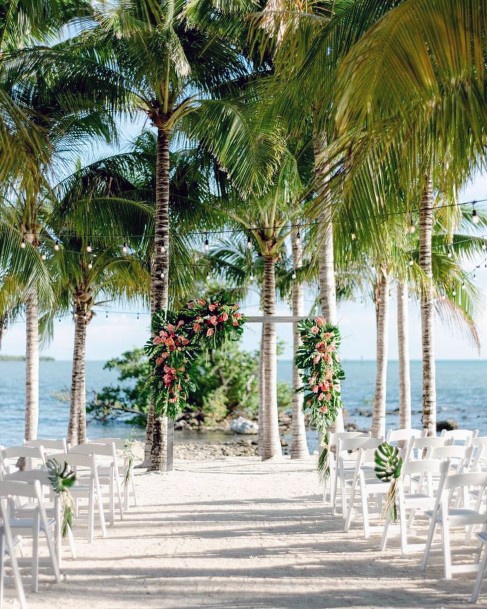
(62, 479)
(225, 380)
(388, 466)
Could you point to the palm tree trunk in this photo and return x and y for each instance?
(261, 396)
(427, 307)
(328, 297)
(381, 291)
(272, 441)
(77, 412)
(299, 445)
(403, 352)
(161, 442)
(31, 367)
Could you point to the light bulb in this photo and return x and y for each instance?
(298, 238)
(90, 265)
(251, 277)
(162, 275)
(454, 293)
(484, 246)
(249, 244)
(207, 245)
(411, 262)
(22, 245)
(124, 248)
(449, 254)
(353, 236)
(162, 249)
(89, 248)
(412, 229)
(56, 246)
(43, 257)
(475, 217)
(293, 276)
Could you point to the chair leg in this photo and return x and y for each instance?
(385, 533)
(446, 548)
(403, 527)
(119, 496)
(429, 541)
(111, 492)
(91, 513)
(365, 511)
(72, 545)
(134, 491)
(348, 515)
(101, 511)
(35, 554)
(2, 567)
(480, 577)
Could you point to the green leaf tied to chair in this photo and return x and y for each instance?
(388, 466)
(62, 479)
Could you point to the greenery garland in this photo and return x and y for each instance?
(201, 324)
(321, 371)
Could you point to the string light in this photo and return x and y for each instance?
(90, 265)
(412, 229)
(23, 244)
(475, 216)
(411, 262)
(249, 242)
(298, 238)
(162, 275)
(162, 249)
(293, 276)
(207, 245)
(353, 236)
(56, 246)
(89, 249)
(454, 293)
(124, 248)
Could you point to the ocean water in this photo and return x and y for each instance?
(461, 389)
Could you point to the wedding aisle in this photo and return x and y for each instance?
(240, 534)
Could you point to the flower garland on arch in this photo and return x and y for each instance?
(321, 370)
(177, 339)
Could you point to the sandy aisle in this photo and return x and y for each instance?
(241, 534)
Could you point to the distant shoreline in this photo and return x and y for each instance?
(21, 358)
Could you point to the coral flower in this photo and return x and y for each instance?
(201, 301)
(212, 307)
(320, 321)
(196, 327)
(315, 329)
(213, 320)
(210, 332)
(324, 409)
(159, 361)
(315, 389)
(238, 315)
(316, 358)
(191, 305)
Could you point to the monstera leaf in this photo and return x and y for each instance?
(388, 466)
(62, 478)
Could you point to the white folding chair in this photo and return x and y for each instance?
(50, 445)
(417, 488)
(7, 547)
(34, 457)
(448, 517)
(126, 471)
(52, 506)
(30, 524)
(348, 453)
(459, 456)
(330, 480)
(419, 448)
(87, 487)
(394, 436)
(460, 436)
(479, 456)
(108, 472)
(363, 486)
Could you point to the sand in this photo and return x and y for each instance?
(239, 533)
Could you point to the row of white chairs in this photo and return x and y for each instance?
(31, 509)
(443, 478)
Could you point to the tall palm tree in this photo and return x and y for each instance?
(152, 58)
(426, 110)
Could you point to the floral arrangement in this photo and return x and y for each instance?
(321, 370)
(179, 337)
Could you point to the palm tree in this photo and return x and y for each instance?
(425, 111)
(152, 58)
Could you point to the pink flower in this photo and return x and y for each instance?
(315, 329)
(320, 321)
(328, 397)
(191, 305)
(212, 307)
(321, 397)
(180, 323)
(201, 301)
(157, 341)
(238, 315)
(170, 327)
(196, 327)
(315, 389)
(173, 400)
(159, 361)
(324, 409)
(235, 324)
(210, 332)
(223, 317)
(316, 358)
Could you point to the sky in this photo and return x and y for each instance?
(128, 327)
